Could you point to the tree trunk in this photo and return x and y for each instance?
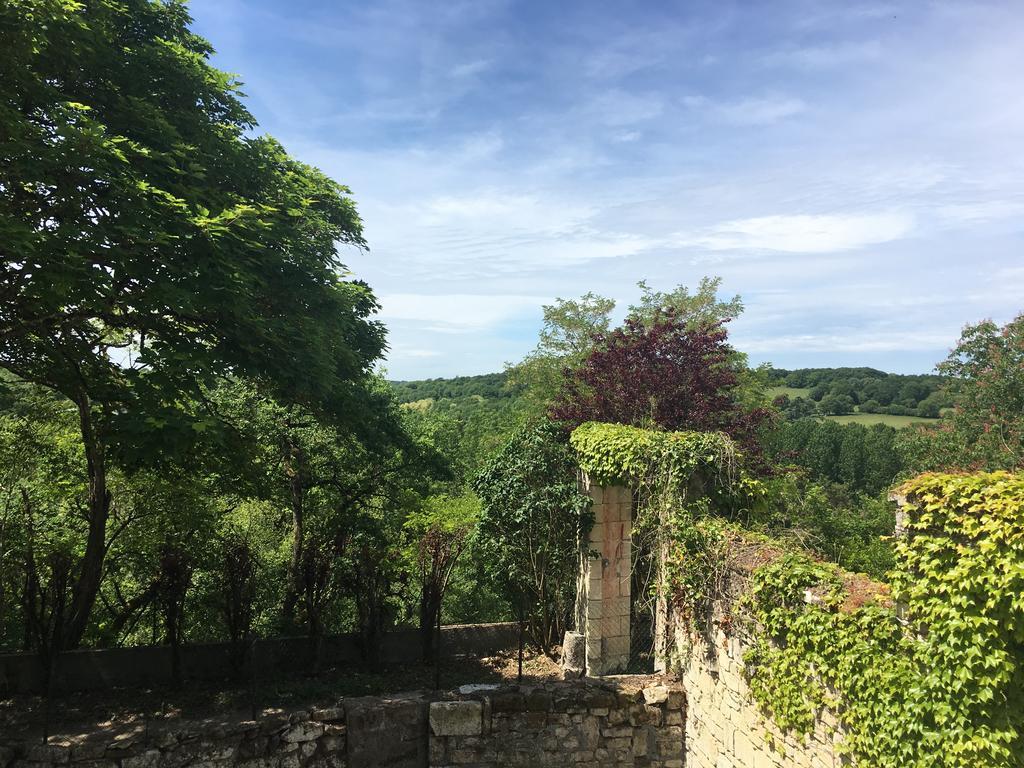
(430, 603)
(294, 586)
(87, 586)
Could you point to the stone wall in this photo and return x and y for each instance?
(311, 739)
(724, 725)
(583, 723)
(579, 723)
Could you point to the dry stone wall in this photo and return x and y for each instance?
(583, 723)
(725, 725)
(310, 739)
(580, 723)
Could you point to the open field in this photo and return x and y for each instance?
(881, 418)
(774, 392)
(854, 418)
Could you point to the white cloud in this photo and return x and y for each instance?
(982, 212)
(850, 341)
(407, 352)
(456, 310)
(803, 233)
(824, 56)
(494, 170)
(471, 68)
(622, 108)
(752, 111)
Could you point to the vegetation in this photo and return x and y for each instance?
(194, 445)
(838, 391)
(662, 372)
(985, 428)
(196, 442)
(532, 521)
(944, 690)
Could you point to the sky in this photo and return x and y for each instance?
(853, 170)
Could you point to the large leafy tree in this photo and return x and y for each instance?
(151, 242)
(666, 373)
(573, 328)
(985, 429)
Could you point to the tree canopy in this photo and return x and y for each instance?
(667, 373)
(152, 244)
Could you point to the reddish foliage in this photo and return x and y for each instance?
(666, 374)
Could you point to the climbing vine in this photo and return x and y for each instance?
(615, 454)
(927, 674)
(678, 478)
(938, 684)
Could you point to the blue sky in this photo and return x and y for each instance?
(854, 170)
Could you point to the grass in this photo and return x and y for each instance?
(854, 418)
(881, 418)
(774, 392)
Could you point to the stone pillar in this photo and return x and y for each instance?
(604, 587)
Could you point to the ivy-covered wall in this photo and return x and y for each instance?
(927, 671)
(791, 661)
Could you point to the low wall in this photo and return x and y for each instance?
(583, 723)
(358, 733)
(151, 665)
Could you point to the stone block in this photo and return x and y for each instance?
(539, 700)
(302, 732)
(508, 701)
(48, 753)
(329, 715)
(456, 718)
(676, 699)
(148, 759)
(95, 750)
(655, 694)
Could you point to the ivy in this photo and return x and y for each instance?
(938, 684)
(615, 454)
(679, 477)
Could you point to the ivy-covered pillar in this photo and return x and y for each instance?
(603, 594)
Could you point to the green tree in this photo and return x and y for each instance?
(571, 329)
(532, 520)
(439, 533)
(151, 243)
(697, 310)
(836, 405)
(566, 338)
(985, 428)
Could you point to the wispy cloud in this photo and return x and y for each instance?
(838, 54)
(803, 233)
(852, 169)
(456, 310)
(471, 68)
(750, 111)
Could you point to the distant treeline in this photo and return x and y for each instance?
(491, 386)
(867, 390)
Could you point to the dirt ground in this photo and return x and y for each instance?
(125, 711)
